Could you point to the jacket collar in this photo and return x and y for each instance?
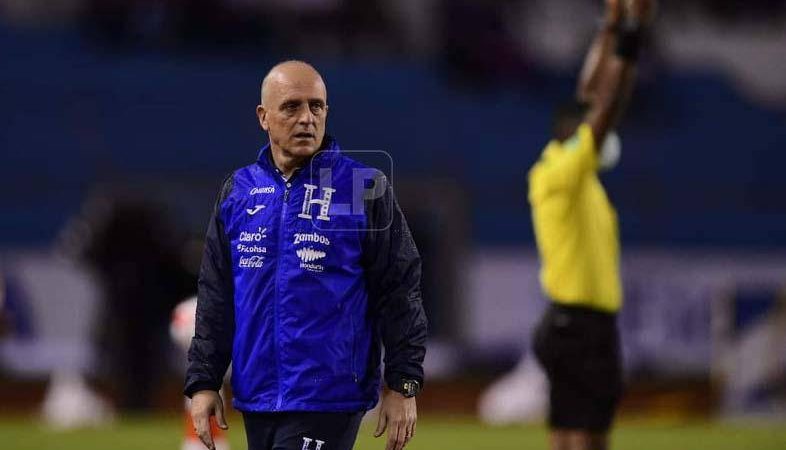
(324, 157)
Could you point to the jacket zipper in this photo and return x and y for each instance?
(280, 255)
(352, 367)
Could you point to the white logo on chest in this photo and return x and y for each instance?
(324, 202)
(263, 190)
(309, 254)
(307, 444)
(310, 237)
(256, 209)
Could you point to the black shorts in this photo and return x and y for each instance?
(580, 351)
(301, 430)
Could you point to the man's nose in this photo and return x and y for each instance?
(306, 117)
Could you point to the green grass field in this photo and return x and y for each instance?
(162, 433)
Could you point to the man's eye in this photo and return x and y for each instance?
(317, 107)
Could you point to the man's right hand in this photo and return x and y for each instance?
(205, 404)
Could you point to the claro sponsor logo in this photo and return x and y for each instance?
(263, 190)
(246, 236)
(251, 253)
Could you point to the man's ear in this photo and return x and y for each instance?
(262, 116)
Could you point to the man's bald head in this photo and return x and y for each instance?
(288, 72)
(294, 110)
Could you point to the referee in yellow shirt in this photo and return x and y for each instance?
(577, 340)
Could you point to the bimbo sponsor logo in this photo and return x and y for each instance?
(311, 237)
(263, 190)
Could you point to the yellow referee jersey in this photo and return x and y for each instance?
(575, 226)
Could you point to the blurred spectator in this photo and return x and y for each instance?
(130, 21)
(736, 10)
(417, 23)
(366, 27)
(3, 320)
(137, 255)
(487, 52)
(36, 12)
(300, 26)
(15, 320)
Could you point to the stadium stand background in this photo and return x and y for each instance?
(114, 97)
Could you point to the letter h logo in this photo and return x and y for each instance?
(324, 202)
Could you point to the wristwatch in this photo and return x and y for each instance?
(408, 388)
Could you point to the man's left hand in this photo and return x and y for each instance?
(399, 416)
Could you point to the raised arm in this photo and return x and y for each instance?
(598, 56)
(610, 69)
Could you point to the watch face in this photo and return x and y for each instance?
(410, 388)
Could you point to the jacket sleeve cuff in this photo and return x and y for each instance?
(394, 379)
(197, 386)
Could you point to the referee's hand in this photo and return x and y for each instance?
(399, 415)
(642, 10)
(205, 404)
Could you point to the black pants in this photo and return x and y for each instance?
(580, 351)
(301, 430)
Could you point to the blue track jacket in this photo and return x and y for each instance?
(302, 282)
